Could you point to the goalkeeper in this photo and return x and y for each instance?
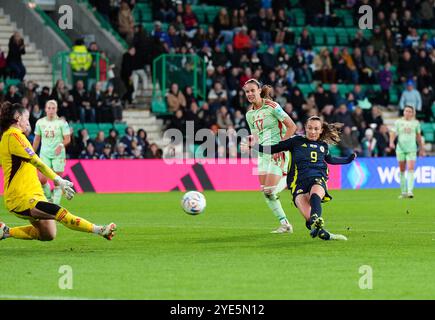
(23, 194)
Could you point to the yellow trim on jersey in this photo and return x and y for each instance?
(293, 184)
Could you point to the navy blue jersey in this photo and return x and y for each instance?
(308, 158)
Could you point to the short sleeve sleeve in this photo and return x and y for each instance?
(38, 128)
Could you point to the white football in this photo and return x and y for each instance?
(193, 202)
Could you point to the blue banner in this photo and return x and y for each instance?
(368, 173)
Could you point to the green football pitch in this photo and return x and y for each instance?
(227, 252)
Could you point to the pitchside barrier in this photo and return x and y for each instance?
(122, 176)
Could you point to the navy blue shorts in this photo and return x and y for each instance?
(304, 186)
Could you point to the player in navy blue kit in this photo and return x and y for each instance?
(308, 171)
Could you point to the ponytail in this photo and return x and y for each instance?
(330, 131)
(266, 92)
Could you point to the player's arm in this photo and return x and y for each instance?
(282, 116)
(286, 145)
(421, 151)
(21, 147)
(392, 138)
(36, 141)
(340, 160)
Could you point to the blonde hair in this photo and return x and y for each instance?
(54, 102)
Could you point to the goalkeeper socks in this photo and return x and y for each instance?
(410, 181)
(47, 190)
(57, 195)
(76, 223)
(402, 182)
(316, 205)
(25, 233)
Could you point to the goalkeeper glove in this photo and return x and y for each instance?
(66, 186)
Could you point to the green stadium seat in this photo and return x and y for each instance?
(120, 127)
(76, 127)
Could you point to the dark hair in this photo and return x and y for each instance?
(330, 131)
(266, 90)
(7, 115)
(410, 107)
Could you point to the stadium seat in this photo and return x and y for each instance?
(76, 127)
(334, 151)
(120, 127)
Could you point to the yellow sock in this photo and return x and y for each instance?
(25, 233)
(75, 223)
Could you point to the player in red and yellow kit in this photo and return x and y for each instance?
(23, 194)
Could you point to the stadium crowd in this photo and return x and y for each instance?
(231, 47)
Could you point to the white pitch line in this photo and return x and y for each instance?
(29, 297)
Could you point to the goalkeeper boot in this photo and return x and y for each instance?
(108, 231)
(284, 228)
(4, 230)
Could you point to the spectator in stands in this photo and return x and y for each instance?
(239, 120)
(427, 100)
(126, 22)
(349, 142)
(82, 103)
(242, 42)
(282, 32)
(305, 41)
(369, 144)
(335, 96)
(410, 97)
(2, 93)
(142, 140)
(343, 115)
(44, 96)
(224, 120)
(35, 114)
(377, 40)
(13, 95)
(89, 153)
(112, 139)
(107, 152)
(322, 97)
(3, 65)
(263, 27)
(407, 67)
(190, 20)
(300, 66)
(99, 142)
(96, 99)
(14, 61)
(427, 13)
(60, 93)
(153, 152)
(80, 61)
(375, 117)
(121, 152)
(323, 70)
(206, 117)
(129, 140)
(372, 64)
(222, 25)
(68, 110)
(217, 96)
(393, 23)
(269, 60)
(165, 11)
(385, 81)
(382, 137)
(112, 111)
(175, 99)
(359, 41)
(83, 140)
